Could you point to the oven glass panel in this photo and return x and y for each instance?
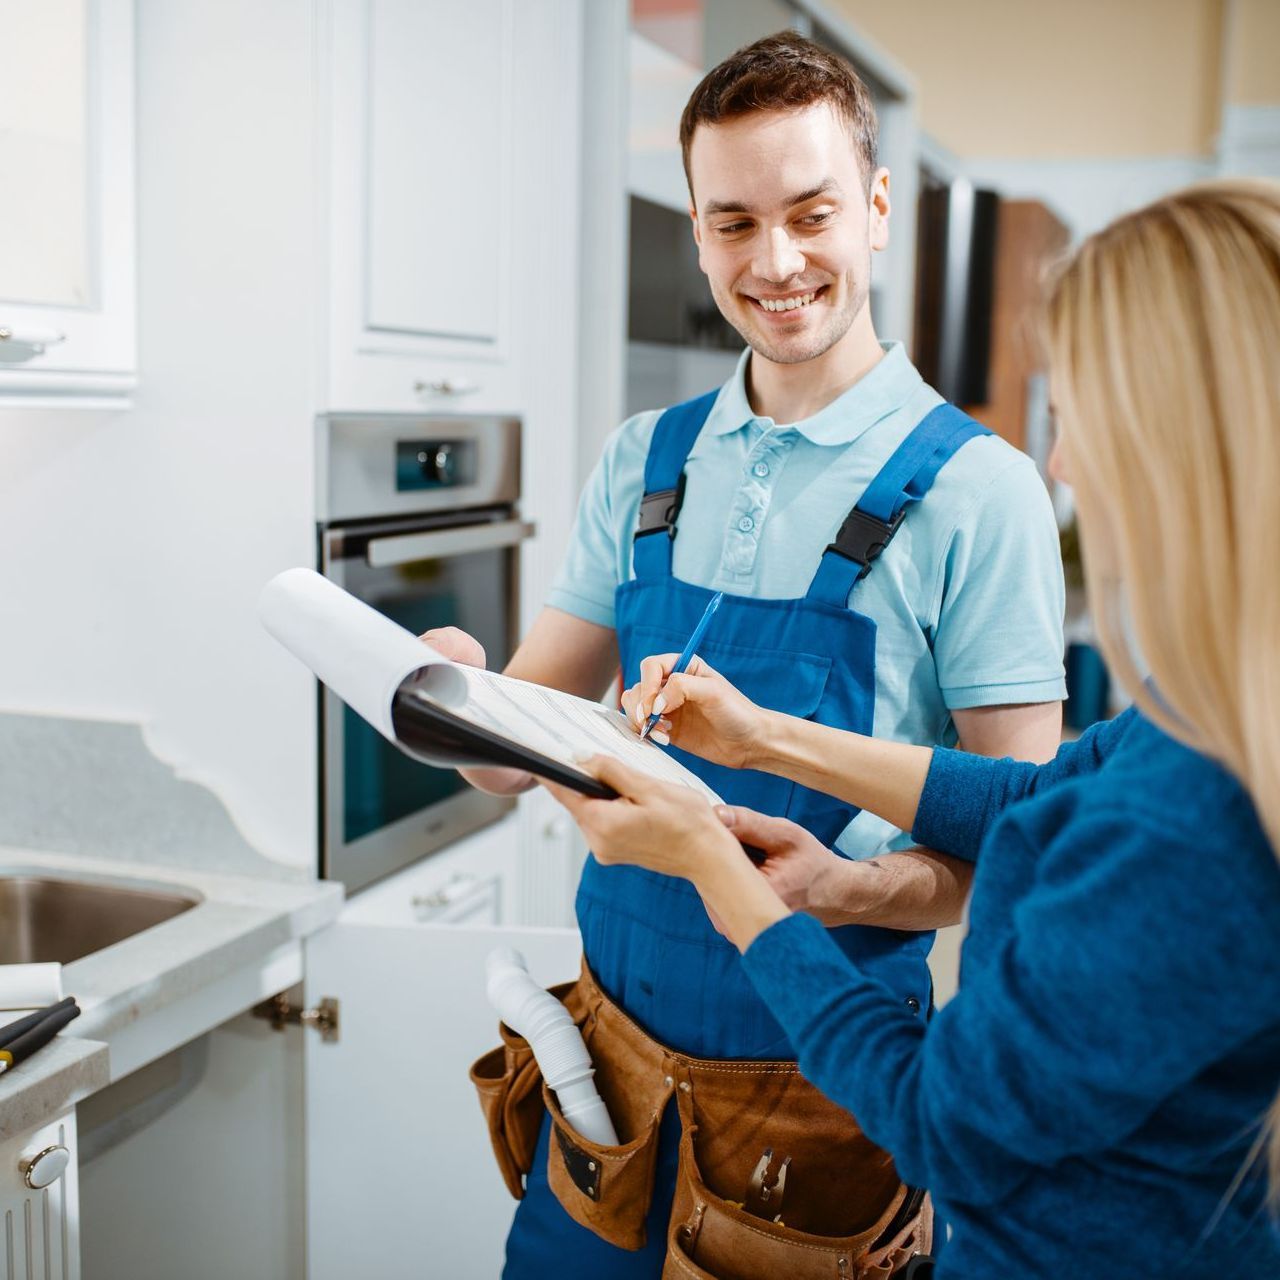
(471, 591)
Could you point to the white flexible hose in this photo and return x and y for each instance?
(561, 1053)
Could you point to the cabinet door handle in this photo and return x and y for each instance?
(17, 345)
(45, 1167)
(446, 387)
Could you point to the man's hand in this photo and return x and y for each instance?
(913, 889)
(802, 871)
(456, 645)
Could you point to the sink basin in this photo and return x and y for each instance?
(45, 918)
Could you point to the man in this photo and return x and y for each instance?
(931, 613)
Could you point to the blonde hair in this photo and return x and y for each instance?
(1164, 341)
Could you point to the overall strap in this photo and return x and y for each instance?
(904, 479)
(673, 438)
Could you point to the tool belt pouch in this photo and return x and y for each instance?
(776, 1180)
(507, 1080)
(608, 1189)
(605, 1189)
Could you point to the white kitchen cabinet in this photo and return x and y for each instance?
(68, 331)
(39, 1202)
(437, 118)
(401, 1180)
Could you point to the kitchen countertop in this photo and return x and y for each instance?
(241, 922)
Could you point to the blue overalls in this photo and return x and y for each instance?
(647, 936)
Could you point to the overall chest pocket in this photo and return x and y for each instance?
(779, 680)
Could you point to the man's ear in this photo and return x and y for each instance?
(878, 212)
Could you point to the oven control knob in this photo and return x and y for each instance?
(438, 463)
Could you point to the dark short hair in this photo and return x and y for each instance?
(782, 72)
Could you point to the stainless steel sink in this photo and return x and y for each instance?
(47, 918)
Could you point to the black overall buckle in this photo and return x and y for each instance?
(658, 511)
(863, 538)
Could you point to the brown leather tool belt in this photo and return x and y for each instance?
(774, 1179)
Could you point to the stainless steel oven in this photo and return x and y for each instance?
(418, 517)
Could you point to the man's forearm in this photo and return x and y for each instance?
(914, 889)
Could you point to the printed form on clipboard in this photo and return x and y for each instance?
(546, 722)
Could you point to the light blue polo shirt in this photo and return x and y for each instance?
(967, 599)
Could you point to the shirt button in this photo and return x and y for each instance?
(746, 524)
(761, 469)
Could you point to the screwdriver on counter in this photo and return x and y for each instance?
(20, 1039)
(686, 654)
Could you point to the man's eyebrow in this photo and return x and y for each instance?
(826, 187)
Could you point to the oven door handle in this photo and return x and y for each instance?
(405, 548)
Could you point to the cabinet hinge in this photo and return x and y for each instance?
(280, 1013)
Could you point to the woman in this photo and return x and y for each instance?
(1093, 1101)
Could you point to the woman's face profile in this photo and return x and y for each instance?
(1057, 462)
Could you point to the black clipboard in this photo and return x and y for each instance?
(428, 731)
(431, 733)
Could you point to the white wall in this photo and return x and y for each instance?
(136, 541)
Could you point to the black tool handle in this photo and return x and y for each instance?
(14, 1029)
(40, 1035)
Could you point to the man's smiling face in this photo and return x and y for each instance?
(785, 227)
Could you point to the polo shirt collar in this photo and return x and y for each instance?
(884, 389)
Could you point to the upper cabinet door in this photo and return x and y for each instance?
(439, 159)
(421, 203)
(67, 221)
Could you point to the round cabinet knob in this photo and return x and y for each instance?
(45, 1167)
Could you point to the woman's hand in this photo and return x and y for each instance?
(702, 712)
(658, 825)
(672, 829)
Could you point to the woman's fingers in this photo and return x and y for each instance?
(658, 690)
(630, 701)
(654, 670)
(613, 773)
(773, 835)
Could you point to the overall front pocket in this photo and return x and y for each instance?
(507, 1080)
(605, 1189)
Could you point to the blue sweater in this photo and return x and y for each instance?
(1083, 1104)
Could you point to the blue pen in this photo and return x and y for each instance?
(686, 655)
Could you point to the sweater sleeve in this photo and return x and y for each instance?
(963, 793)
(1064, 1040)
